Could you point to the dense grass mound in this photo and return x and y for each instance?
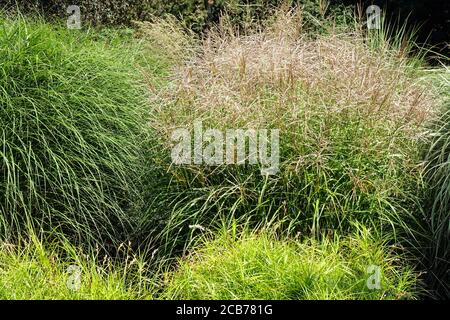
(71, 118)
(350, 109)
(437, 251)
(261, 267)
(35, 270)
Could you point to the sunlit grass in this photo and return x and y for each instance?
(86, 177)
(71, 118)
(260, 266)
(36, 269)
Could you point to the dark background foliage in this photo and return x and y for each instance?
(432, 15)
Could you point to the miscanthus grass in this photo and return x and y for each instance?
(258, 265)
(437, 245)
(71, 119)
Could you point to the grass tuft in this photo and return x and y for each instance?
(71, 111)
(259, 266)
(35, 269)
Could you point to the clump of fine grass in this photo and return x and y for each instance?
(437, 245)
(259, 266)
(35, 269)
(167, 40)
(71, 119)
(351, 116)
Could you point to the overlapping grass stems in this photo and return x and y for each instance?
(437, 253)
(350, 115)
(71, 120)
(250, 265)
(36, 269)
(85, 151)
